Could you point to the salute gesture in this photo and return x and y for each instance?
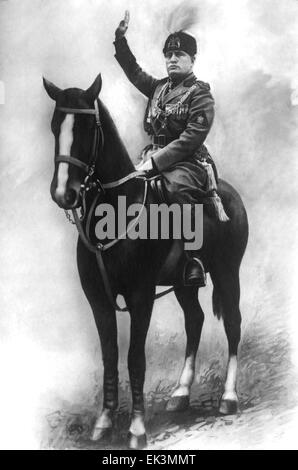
(123, 25)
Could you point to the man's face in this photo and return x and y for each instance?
(178, 63)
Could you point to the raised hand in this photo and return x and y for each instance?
(123, 25)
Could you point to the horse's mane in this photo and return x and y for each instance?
(113, 140)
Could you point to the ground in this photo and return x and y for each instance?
(266, 384)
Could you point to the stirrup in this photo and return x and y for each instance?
(198, 282)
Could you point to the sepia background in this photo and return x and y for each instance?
(50, 360)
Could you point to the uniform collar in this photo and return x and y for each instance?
(187, 81)
(181, 88)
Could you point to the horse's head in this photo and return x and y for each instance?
(76, 128)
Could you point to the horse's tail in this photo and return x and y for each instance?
(217, 303)
(230, 249)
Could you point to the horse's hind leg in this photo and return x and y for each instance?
(226, 300)
(194, 318)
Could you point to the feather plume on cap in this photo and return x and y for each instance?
(181, 20)
(184, 17)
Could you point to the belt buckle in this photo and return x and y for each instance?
(161, 140)
(158, 141)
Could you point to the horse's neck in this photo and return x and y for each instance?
(113, 160)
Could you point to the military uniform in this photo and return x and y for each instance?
(178, 120)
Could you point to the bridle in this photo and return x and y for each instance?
(97, 146)
(91, 182)
(98, 136)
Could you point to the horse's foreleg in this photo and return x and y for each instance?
(140, 305)
(105, 319)
(194, 318)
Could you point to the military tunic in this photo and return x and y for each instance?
(178, 121)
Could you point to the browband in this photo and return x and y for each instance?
(94, 111)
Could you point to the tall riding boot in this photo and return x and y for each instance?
(194, 272)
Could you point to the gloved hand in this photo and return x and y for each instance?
(146, 163)
(148, 168)
(123, 25)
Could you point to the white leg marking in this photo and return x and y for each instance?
(230, 384)
(65, 143)
(137, 426)
(104, 420)
(102, 425)
(186, 377)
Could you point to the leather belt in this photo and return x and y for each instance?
(159, 141)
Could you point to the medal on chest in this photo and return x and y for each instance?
(177, 110)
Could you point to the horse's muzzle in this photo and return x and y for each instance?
(69, 199)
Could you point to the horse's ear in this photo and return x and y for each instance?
(93, 92)
(51, 89)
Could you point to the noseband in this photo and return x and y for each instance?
(97, 140)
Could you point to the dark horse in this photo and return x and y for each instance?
(87, 142)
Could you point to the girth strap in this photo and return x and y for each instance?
(107, 284)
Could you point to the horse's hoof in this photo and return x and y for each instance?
(100, 434)
(228, 407)
(136, 442)
(178, 403)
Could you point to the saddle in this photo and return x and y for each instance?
(173, 270)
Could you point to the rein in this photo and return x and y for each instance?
(89, 168)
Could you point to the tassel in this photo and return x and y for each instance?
(219, 208)
(215, 199)
(211, 182)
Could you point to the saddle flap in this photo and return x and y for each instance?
(171, 272)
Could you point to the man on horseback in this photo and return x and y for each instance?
(178, 117)
(91, 164)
